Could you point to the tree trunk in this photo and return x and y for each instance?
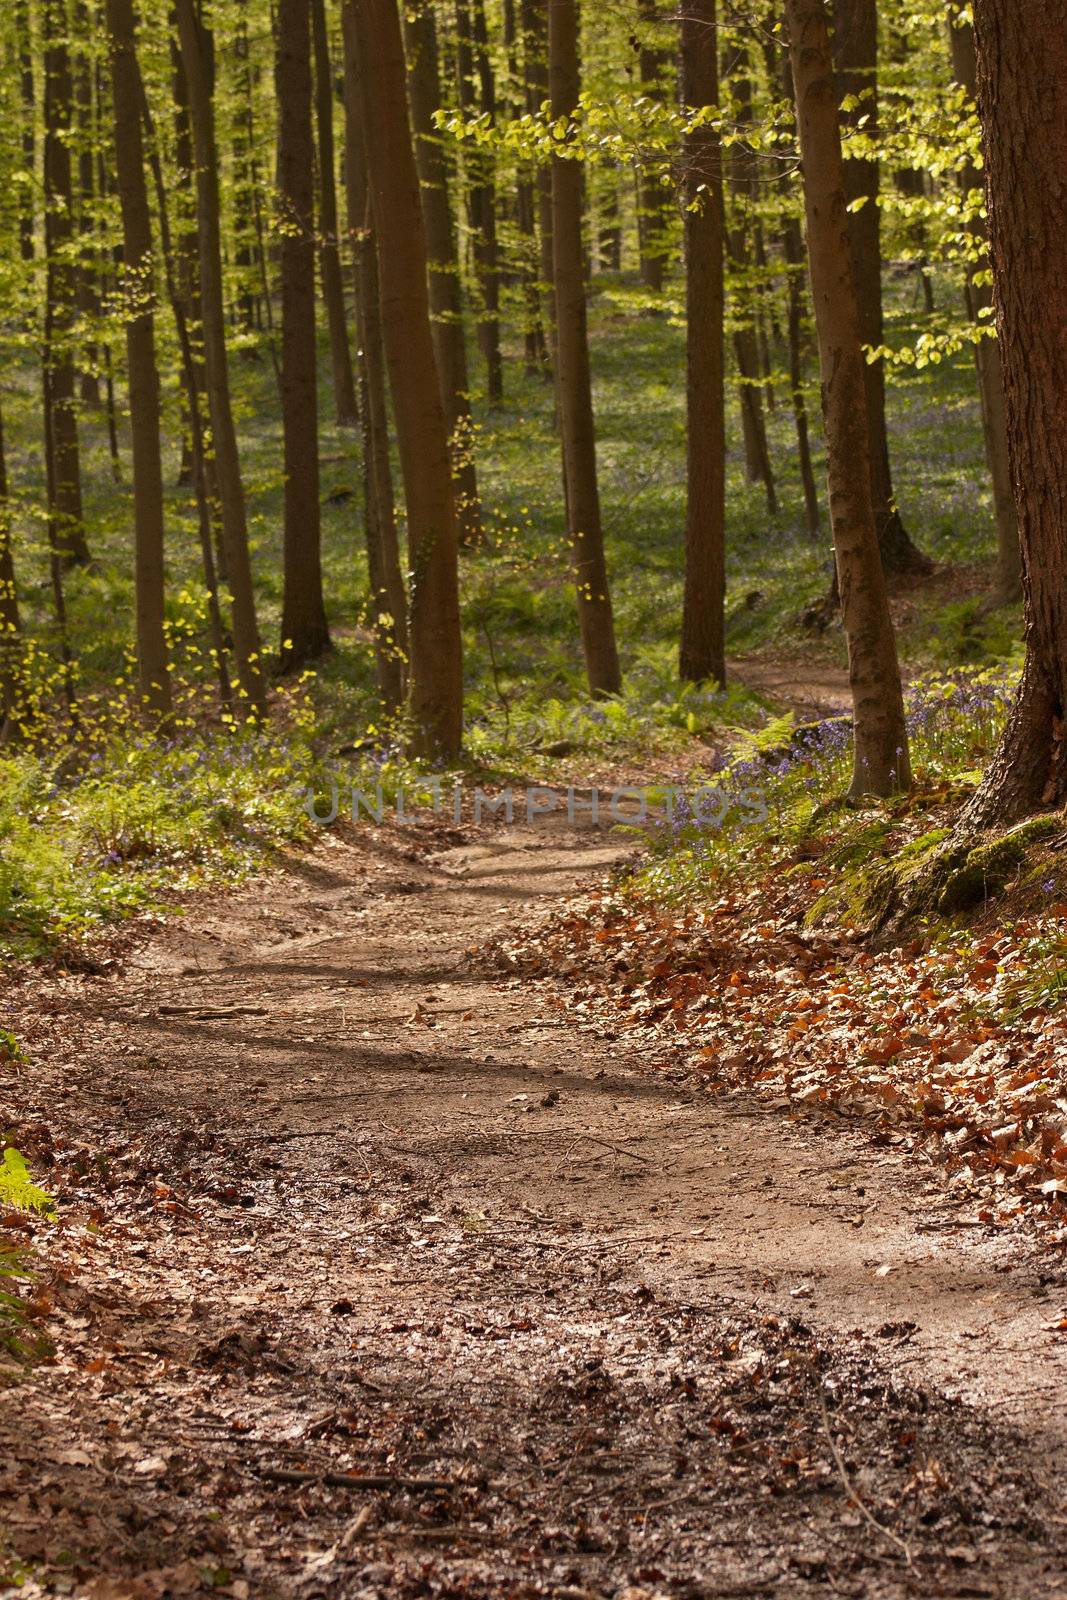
(703, 642)
(446, 300)
(881, 764)
(388, 597)
(573, 377)
(179, 294)
(987, 353)
(91, 247)
(856, 65)
(654, 200)
(745, 184)
(535, 349)
(477, 96)
(333, 291)
(436, 695)
(28, 91)
(1021, 48)
(139, 300)
(305, 634)
(11, 686)
(197, 47)
(793, 251)
(534, 23)
(66, 521)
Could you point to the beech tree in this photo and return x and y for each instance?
(333, 289)
(881, 763)
(703, 650)
(855, 40)
(139, 301)
(436, 646)
(305, 633)
(198, 57)
(1021, 49)
(10, 622)
(573, 381)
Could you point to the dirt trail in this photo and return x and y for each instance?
(386, 1211)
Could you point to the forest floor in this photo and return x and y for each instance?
(379, 1273)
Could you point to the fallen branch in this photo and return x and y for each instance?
(879, 1527)
(351, 1480)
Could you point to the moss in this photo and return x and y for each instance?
(987, 869)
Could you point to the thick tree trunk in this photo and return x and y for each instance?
(333, 289)
(139, 299)
(10, 625)
(305, 634)
(881, 764)
(573, 377)
(477, 97)
(435, 638)
(654, 199)
(856, 65)
(1021, 48)
(987, 354)
(66, 520)
(446, 300)
(703, 631)
(388, 596)
(197, 47)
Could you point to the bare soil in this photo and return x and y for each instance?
(379, 1275)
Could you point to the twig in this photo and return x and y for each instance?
(351, 1480)
(879, 1527)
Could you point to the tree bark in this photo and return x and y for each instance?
(987, 354)
(388, 596)
(305, 633)
(333, 290)
(574, 385)
(703, 650)
(534, 23)
(1021, 48)
(654, 200)
(477, 96)
(881, 764)
(197, 48)
(856, 65)
(436, 695)
(139, 300)
(11, 685)
(446, 300)
(66, 519)
(28, 92)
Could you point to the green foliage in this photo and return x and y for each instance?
(17, 1189)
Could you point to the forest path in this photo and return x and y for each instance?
(376, 1208)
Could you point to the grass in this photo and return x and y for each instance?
(98, 823)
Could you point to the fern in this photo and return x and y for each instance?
(18, 1190)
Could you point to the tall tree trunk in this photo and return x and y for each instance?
(305, 634)
(197, 47)
(436, 645)
(11, 685)
(574, 386)
(987, 352)
(744, 179)
(90, 257)
(388, 596)
(1021, 48)
(28, 91)
(534, 23)
(477, 96)
(535, 349)
(703, 630)
(139, 299)
(793, 250)
(181, 292)
(856, 65)
(333, 290)
(66, 521)
(881, 764)
(446, 300)
(654, 199)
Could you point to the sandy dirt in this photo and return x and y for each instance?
(383, 1274)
